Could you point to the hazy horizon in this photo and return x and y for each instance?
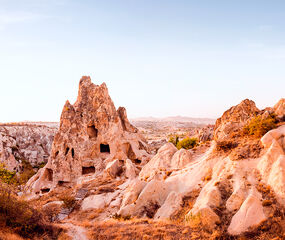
(158, 58)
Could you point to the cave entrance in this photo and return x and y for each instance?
(45, 190)
(92, 131)
(88, 170)
(104, 148)
(138, 161)
(63, 184)
(49, 174)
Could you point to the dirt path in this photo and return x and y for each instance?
(76, 232)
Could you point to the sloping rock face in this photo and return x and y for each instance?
(92, 134)
(25, 142)
(234, 119)
(238, 195)
(279, 109)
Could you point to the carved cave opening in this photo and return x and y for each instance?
(62, 183)
(104, 148)
(138, 161)
(45, 190)
(92, 131)
(87, 170)
(72, 152)
(49, 174)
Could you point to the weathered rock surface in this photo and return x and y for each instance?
(224, 184)
(98, 150)
(279, 109)
(234, 119)
(206, 133)
(92, 133)
(25, 142)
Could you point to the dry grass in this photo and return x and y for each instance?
(7, 234)
(138, 229)
(187, 205)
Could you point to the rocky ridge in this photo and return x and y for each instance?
(98, 152)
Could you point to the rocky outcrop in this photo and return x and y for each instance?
(279, 109)
(92, 134)
(238, 193)
(206, 133)
(25, 142)
(97, 150)
(234, 119)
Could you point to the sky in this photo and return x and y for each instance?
(158, 57)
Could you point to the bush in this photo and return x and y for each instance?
(6, 176)
(174, 140)
(258, 126)
(68, 201)
(18, 215)
(187, 143)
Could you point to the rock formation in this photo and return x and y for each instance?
(97, 150)
(238, 193)
(92, 135)
(233, 119)
(25, 142)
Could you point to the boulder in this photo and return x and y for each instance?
(250, 215)
(131, 171)
(114, 168)
(279, 109)
(161, 161)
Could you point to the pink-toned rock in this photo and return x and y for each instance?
(234, 119)
(250, 215)
(92, 133)
(279, 108)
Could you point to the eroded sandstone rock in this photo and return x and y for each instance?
(234, 119)
(92, 133)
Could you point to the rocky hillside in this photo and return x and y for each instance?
(25, 142)
(100, 174)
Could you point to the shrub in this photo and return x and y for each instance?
(41, 165)
(187, 143)
(68, 201)
(174, 140)
(6, 176)
(18, 215)
(26, 173)
(258, 125)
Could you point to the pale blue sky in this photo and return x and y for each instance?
(158, 57)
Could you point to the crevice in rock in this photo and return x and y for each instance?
(66, 151)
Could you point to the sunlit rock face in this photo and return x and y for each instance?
(92, 133)
(234, 118)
